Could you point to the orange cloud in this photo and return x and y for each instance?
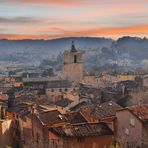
(140, 30)
(64, 3)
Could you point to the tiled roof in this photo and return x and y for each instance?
(141, 111)
(21, 109)
(26, 98)
(51, 83)
(78, 106)
(26, 108)
(51, 117)
(82, 130)
(59, 84)
(75, 117)
(39, 79)
(99, 111)
(63, 102)
(3, 97)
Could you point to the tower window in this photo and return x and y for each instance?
(75, 58)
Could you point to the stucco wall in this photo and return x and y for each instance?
(73, 71)
(5, 133)
(127, 133)
(88, 142)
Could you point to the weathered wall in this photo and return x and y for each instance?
(73, 66)
(40, 134)
(73, 71)
(55, 141)
(53, 92)
(26, 132)
(88, 142)
(145, 135)
(128, 134)
(6, 133)
(69, 57)
(90, 80)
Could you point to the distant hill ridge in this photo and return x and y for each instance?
(37, 50)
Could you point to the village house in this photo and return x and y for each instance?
(82, 135)
(75, 117)
(104, 112)
(59, 88)
(132, 126)
(90, 79)
(141, 111)
(106, 79)
(40, 124)
(30, 124)
(21, 129)
(6, 137)
(125, 77)
(13, 81)
(129, 129)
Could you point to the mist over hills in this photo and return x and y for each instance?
(37, 50)
(126, 51)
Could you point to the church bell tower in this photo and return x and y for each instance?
(73, 64)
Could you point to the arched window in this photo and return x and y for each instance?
(75, 58)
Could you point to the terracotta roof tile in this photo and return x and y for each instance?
(75, 117)
(51, 117)
(104, 110)
(82, 130)
(141, 111)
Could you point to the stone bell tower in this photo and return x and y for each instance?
(73, 64)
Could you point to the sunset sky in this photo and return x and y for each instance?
(49, 19)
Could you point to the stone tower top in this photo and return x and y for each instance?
(73, 48)
(73, 64)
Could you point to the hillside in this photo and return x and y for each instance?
(126, 51)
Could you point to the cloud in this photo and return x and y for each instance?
(62, 3)
(73, 3)
(108, 32)
(19, 20)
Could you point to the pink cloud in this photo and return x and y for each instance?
(65, 3)
(110, 31)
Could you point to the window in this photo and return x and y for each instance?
(52, 90)
(75, 58)
(60, 90)
(132, 122)
(127, 131)
(65, 89)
